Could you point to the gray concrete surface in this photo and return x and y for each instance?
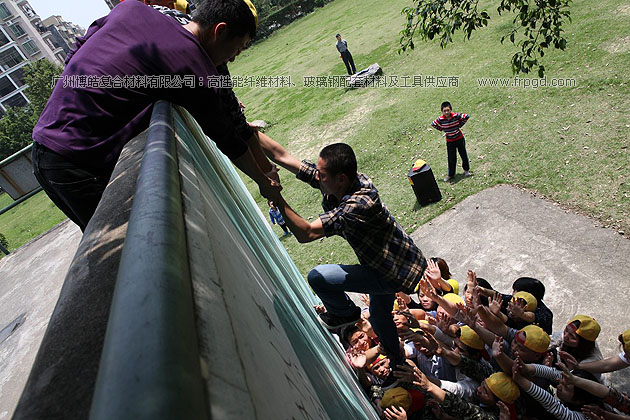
(61, 381)
(31, 280)
(504, 233)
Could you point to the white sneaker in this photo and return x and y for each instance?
(448, 178)
(467, 173)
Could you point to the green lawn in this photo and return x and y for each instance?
(28, 219)
(567, 144)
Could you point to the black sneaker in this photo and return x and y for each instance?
(333, 322)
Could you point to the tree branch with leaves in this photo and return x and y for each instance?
(537, 25)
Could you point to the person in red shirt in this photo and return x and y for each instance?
(451, 123)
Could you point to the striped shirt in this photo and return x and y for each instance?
(372, 232)
(548, 401)
(451, 126)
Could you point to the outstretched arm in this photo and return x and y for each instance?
(277, 153)
(609, 364)
(303, 230)
(248, 164)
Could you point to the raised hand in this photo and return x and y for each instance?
(403, 300)
(570, 361)
(497, 346)
(468, 317)
(504, 411)
(320, 309)
(495, 303)
(427, 288)
(516, 308)
(594, 412)
(443, 321)
(568, 378)
(471, 280)
(414, 337)
(395, 413)
(357, 357)
(432, 273)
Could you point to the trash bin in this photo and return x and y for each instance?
(423, 183)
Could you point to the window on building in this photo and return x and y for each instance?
(16, 100)
(18, 76)
(17, 30)
(6, 86)
(28, 10)
(9, 58)
(31, 47)
(4, 11)
(3, 39)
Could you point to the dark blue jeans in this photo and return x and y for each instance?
(75, 190)
(331, 281)
(452, 147)
(348, 61)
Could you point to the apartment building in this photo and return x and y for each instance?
(64, 33)
(23, 39)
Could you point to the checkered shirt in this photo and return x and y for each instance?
(372, 232)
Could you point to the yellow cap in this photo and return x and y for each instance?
(253, 9)
(536, 339)
(181, 5)
(469, 337)
(589, 328)
(532, 303)
(454, 284)
(453, 298)
(503, 387)
(378, 359)
(396, 307)
(625, 338)
(396, 397)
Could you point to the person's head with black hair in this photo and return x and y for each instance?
(481, 282)
(224, 27)
(355, 337)
(336, 169)
(530, 285)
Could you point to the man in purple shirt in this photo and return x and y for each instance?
(84, 126)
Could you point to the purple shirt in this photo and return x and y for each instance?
(90, 125)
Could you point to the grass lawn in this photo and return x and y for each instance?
(569, 144)
(28, 219)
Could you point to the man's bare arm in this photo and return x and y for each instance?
(278, 154)
(303, 230)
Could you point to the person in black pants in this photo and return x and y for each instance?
(344, 53)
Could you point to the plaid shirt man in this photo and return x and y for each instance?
(372, 232)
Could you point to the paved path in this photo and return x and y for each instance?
(30, 281)
(504, 233)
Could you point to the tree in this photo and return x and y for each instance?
(16, 127)
(537, 25)
(40, 77)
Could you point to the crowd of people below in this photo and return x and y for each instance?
(486, 355)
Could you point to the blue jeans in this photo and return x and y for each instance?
(331, 281)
